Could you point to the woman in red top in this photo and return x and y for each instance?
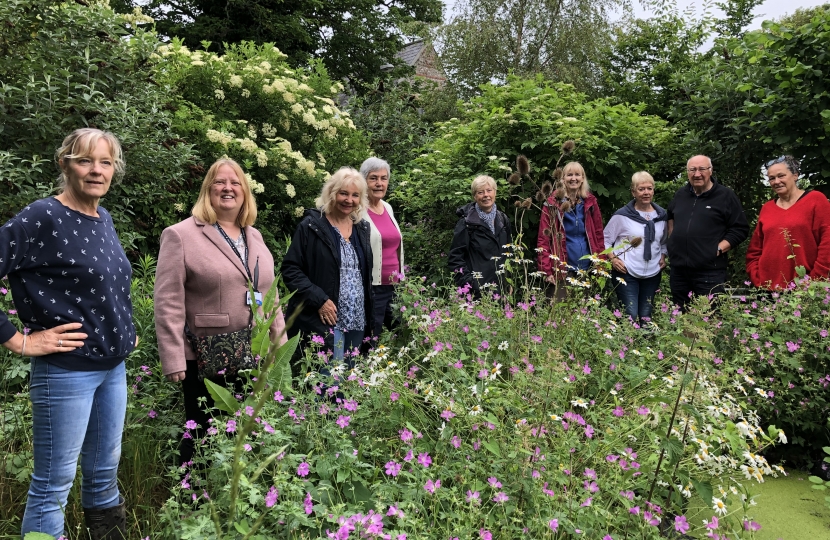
(570, 226)
(793, 230)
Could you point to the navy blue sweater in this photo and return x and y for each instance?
(65, 266)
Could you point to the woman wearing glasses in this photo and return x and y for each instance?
(793, 230)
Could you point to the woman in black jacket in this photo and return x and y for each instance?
(478, 253)
(329, 266)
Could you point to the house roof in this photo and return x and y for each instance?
(411, 52)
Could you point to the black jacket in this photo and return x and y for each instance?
(474, 246)
(701, 222)
(312, 269)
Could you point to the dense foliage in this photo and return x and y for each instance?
(65, 66)
(533, 117)
(354, 39)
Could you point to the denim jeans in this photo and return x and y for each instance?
(74, 413)
(346, 341)
(637, 295)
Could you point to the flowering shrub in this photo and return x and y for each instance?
(495, 418)
(778, 344)
(282, 124)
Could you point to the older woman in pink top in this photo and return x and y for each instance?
(386, 241)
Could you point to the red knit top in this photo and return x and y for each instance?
(802, 230)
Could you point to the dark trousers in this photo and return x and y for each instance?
(637, 295)
(685, 281)
(192, 390)
(383, 295)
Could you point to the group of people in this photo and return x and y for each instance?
(703, 221)
(70, 281)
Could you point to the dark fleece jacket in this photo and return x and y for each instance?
(474, 246)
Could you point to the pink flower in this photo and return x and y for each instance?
(473, 496)
(231, 426)
(394, 396)
(271, 497)
(424, 460)
(681, 525)
(431, 486)
(343, 421)
(484, 534)
(618, 411)
(643, 410)
(553, 524)
(501, 497)
(651, 519)
(303, 469)
(393, 468)
(406, 435)
(456, 441)
(152, 414)
(308, 504)
(589, 431)
(494, 483)
(590, 473)
(752, 525)
(634, 510)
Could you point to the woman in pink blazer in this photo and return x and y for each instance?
(201, 280)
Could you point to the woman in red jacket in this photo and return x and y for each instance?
(793, 230)
(571, 226)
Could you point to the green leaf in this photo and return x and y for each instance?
(279, 377)
(243, 527)
(38, 536)
(222, 398)
(704, 490)
(493, 448)
(261, 342)
(816, 480)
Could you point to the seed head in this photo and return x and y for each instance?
(636, 241)
(523, 165)
(515, 179)
(568, 147)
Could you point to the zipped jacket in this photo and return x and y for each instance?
(701, 222)
(552, 240)
(476, 249)
(311, 269)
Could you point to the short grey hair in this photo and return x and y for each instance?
(374, 164)
(481, 181)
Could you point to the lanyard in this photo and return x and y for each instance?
(255, 278)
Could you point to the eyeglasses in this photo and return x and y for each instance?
(694, 170)
(780, 159)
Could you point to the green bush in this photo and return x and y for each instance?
(533, 117)
(64, 66)
(281, 124)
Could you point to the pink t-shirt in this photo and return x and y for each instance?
(390, 240)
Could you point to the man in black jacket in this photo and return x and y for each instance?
(706, 220)
(478, 251)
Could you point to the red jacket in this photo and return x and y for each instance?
(769, 259)
(552, 241)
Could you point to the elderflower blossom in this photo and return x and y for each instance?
(289, 189)
(235, 81)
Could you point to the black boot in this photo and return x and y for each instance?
(107, 524)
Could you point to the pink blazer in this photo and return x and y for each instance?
(199, 279)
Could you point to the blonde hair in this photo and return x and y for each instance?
(640, 177)
(203, 209)
(344, 177)
(80, 144)
(584, 189)
(482, 180)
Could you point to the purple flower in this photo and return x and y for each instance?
(484, 534)
(424, 460)
(456, 441)
(302, 469)
(248, 447)
(651, 519)
(191, 424)
(589, 431)
(553, 524)
(406, 435)
(231, 426)
(431, 486)
(409, 456)
(590, 486)
(152, 414)
(752, 525)
(271, 497)
(494, 483)
(501, 497)
(308, 504)
(618, 411)
(590, 473)
(394, 396)
(634, 510)
(473, 496)
(447, 414)
(393, 468)
(343, 421)
(681, 525)
(485, 345)
(643, 410)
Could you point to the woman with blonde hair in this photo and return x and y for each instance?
(70, 282)
(329, 266)
(482, 231)
(570, 226)
(639, 232)
(205, 268)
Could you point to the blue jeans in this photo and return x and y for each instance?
(74, 413)
(637, 295)
(346, 341)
